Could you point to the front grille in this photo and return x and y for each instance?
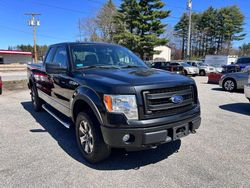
(157, 102)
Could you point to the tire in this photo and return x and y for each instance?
(89, 138)
(185, 73)
(229, 85)
(36, 101)
(202, 73)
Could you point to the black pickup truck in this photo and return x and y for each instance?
(176, 68)
(112, 99)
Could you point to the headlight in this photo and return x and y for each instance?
(125, 104)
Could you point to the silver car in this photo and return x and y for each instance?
(234, 81)
(204, 69)
(188, 69)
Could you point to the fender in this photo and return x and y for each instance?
(89, 96)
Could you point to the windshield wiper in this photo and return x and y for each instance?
(99, 66)
(131, 66)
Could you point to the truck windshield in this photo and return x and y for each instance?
(102, 55)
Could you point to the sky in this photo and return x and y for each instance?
(59, 19)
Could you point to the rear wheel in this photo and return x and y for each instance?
(229, 85)
(36, 101)
(89, 138)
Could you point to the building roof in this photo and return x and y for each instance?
(15, 52)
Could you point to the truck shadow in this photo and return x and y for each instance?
(240, 108)
(119, 159)
(222, 90)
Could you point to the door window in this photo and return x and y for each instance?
(50, 55)
(61, 57)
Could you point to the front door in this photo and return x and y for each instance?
(62, 90)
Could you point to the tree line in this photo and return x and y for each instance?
(213, 31)
(41, 49)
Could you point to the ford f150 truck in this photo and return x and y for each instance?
(112, 99)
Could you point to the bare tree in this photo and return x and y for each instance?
(105, 21)
(90, 29)
(100, 27)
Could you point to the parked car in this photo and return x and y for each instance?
(230, 68)
(112, 99)
(1, 85)
(204, 69)
(243, 62)
(188, 69)
(169, 67)
(240, 64)
(234, 81)
(148, 63)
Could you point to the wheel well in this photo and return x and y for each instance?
(82, 106)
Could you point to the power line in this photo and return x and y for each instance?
(62, 8)
(26, 32)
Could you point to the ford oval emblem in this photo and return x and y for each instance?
(177, 99)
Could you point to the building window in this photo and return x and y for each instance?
(1, 60)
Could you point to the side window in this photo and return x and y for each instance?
(61, 57)
(50, 55)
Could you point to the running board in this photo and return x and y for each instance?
(64, 123)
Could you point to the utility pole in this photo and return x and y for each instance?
(189, 7)
(34, 23)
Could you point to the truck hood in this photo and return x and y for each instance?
(134, 76)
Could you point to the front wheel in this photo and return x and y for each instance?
(89, 138)
(229, 85)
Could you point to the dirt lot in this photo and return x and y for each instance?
(36, 151)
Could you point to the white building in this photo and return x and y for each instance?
(164, 53)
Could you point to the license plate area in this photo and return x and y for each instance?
(180, 131)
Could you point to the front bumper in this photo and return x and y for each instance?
(193, 72)
(149, 136)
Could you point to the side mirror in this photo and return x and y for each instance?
(53, 68)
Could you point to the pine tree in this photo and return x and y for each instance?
(140, 25)
(181, 29)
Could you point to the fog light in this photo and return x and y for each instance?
(126, 137)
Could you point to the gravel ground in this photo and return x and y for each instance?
(36, 151)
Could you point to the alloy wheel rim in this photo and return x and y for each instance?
(86, 137)
(229, 85)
